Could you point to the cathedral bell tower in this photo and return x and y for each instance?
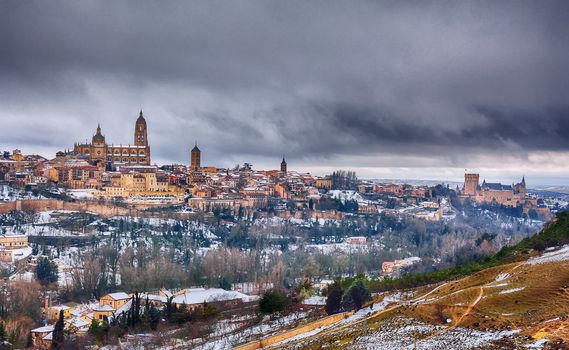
(140, 133)
(98, 148)
(195, 158)
(283, 166)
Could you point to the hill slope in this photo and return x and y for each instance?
(519, 299)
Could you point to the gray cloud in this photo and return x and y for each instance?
(320, 81)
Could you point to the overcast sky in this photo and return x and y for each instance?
(389, 89)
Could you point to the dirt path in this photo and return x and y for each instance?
(356, 322)
(471, 305)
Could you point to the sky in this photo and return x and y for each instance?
(390, 89)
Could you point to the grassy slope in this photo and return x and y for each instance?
(499, 292)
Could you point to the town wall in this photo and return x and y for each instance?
(104, 209)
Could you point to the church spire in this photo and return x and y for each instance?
(284, 165)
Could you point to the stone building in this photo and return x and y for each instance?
(195, 158)
(14, 247)
(98, 150)
(283, 166)
(488, 192)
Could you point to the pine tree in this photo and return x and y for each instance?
(334, 299)
(30, 341)
(46, 271)
(2, 332)
(154, 317)
(58, 337)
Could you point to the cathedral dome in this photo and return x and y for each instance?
(98, 138)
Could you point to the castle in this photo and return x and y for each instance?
(99, 151)
(510, 196)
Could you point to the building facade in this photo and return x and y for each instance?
(487, 192)
(98, 150)
(195, 158)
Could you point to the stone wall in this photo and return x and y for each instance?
(105, 209)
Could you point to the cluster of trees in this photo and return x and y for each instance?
(346, 294)
(20, 310)
(553, 235)
(348, 206)
(344, 180)
(139, 255)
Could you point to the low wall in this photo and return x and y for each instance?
(258, 344)
(105, 209)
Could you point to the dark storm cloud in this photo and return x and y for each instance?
(314, 80)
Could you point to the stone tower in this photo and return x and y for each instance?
(283, 166)
(98, 146)
(521, 187)
(140, 132)
(195, 158)
(471, 184)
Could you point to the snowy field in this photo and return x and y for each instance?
(409, 334)
(559, 255)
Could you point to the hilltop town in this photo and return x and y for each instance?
(98, 170)
(114, 243)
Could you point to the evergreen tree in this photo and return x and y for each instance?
(57, 335)
(356, 296)
(94, 329)
(272, 301)
(154, 314)
(30, 341)
(334, 299)
(2, 332)
(169, 308)
(46, 271)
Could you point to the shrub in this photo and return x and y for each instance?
(356, 296)
(271, 302)
(334, 298)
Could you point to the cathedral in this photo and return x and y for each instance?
(99, 151)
